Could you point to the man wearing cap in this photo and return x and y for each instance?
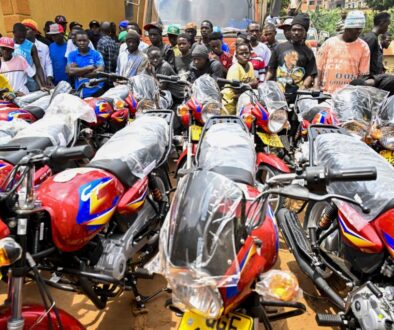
(42, 49)
(173, 32)
(132, 61)
(293, 64)
(108, 48)
(203, 65)
(60, 19)
(123, 25)
(57, 51)
(14, 67)
(155, 31)
(345, 57)
(28, 50)
(286, 27)
(94, 32)
(191, 30)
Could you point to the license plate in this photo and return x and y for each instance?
(389, 155)
(272, 140)
(196, 133)
(231, 321)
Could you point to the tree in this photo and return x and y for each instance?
(380, 4)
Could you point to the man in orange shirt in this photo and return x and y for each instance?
(345, 57)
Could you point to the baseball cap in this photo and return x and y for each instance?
(191, 26)
(173, 29)
(153, 25)
(55, 29)
(30, 24)
(7, 42)
(124, 24)
(60, 19)
(94, 22)
(286, 23)
(122, 36)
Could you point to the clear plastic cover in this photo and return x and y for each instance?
(308, 107)
(339, 151)
(271, 96)
(197, 240)
(8, 129)
(59, 122)
(206, 89)
(144, 87)
(42, 103)
(227, 145)
(25, 100)
(141, 145)
(246, 98)
(385, 115)
(119, 92)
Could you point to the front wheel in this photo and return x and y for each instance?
(265, 173)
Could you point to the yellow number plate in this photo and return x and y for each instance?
(231, 321)
(272, 140)
(196, 133)
(389, 155)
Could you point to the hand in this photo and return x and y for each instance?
(50, 83)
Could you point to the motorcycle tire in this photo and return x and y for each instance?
(264, 173)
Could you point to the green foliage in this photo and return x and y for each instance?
(325, 20)
(380, 4)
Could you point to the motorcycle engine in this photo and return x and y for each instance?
(374, 313)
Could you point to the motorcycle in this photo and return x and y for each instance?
(17, 263)
(98, 223)
(346, 235)
(219, 236)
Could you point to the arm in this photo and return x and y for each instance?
(217, 69)
(73, 70)
(48, 67)
(40, 77)
(272, 65)
(363, 69)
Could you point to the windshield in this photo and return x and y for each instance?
(233, 14)
(144, 87)
(199, 234)
(271, 96)
(385, 115)
(206, 89)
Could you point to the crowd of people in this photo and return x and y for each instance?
(32, 60)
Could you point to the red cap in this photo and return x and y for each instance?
(7, 42)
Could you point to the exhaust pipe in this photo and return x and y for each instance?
(307, 269)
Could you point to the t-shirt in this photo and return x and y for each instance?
(225, 58)
(291, 64)
(24, 50)
(341, 62)
(16, 70)
(71, 47)
(262, 51)
(92, 57)
(376, 65)
(236, 72)
(59, 62)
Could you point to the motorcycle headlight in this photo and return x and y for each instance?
(209, 110)
(356, 128)
(10, 251)
(189, 295)
(277, 120)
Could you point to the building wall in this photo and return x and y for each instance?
(82, 11)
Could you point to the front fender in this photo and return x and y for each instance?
(273, 161)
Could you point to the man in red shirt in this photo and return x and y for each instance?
(215, 43)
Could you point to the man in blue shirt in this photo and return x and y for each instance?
(57, 49)
(85, 63)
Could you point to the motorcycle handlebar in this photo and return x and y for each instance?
(110, 76)
(168, 78)
(11, 148)
(314, 94)
(73, 153)
(353, 174)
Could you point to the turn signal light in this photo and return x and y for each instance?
(10, 251)
(182, 110)
(248, 119)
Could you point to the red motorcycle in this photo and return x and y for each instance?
(96, 224)
(220, 236)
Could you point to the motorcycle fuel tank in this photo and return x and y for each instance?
(80, 202)
(8, 114)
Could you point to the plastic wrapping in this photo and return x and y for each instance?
(227, 145)
(8, 129)
(339, 151)
(271, 96)
(308, 107)
(25, 100)
(119, 92)
(279, 285)
(197, 240)
(246, 98)
(206, 89)
(141, 145)
(63, 87)
(59, 122)
(144, 87)
(42, 103)
(385, 115)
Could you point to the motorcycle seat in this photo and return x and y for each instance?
(14, 157)
(235, 174)
(116, 167)
(37, 112)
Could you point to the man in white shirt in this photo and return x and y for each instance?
(42, 49)
(134, 27)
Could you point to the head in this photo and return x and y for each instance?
(105, 28)
(56, 33)
(73, 34)
(191, 30)
(215, 42)
(385, 40)
(112, 29)
(94, 26)
(6, 48)
(134, 26)
(242, 39)
(254, 32)
(173, 32)
(74, 24)
(269, 33)
(206, 29)
(154, 56)
(286, 27)
(19, 31)
(184, 44)
(155, 36)
(132, 41)
(242, 53)
(47, 25)
(381, 22)
(123, 25)
(60, 19)
(299, 28)
(82, 41)
(200, 56)
(353, 25)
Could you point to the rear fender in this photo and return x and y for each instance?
(273, 161)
